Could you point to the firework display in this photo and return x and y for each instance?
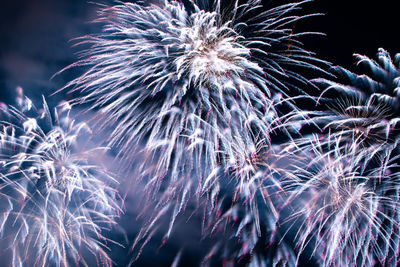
(368, 109)
(206, 124)
(342, 206)
(55, 200)
(174, 75)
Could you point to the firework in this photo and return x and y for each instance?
(344, 194)
(177, 74)
(194, 88)
(368, 110)
(238, 204)
(197, 84)
(252, 233)
(55, 200)
(342, 207)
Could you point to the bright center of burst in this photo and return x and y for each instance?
(209, 60)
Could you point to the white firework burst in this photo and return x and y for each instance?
(343, 210)
(178, 75)
(368, 111)
(198, 84)
(55, 199)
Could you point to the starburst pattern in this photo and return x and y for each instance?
(194, 88)
(54, 198)
(172, 74)
(368, 110)
(342, 206)
(197, 87)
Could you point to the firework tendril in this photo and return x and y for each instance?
(55, 198)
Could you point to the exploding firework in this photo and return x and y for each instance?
(346, 190)
(240, 205)
(55, 200)
(195, 88)
(368, 110)
(178, 75)
(197, 84)
(343, 209)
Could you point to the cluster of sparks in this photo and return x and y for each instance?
(55, 201)
(340, 206)
(193, 94)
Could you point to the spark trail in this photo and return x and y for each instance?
(56, 201)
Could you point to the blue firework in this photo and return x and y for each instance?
(56, 199)
(343, 208)
(195, 76)
(368, 110)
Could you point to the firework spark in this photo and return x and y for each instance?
(179, 74)
(199, 85)
(344, 205)
(368, 111)
(54, 198)
(240, 203)
(243, 222)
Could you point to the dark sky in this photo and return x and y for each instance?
(353, 26)
(35, 34)
(34, 42)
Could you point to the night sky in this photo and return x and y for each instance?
(35, 43)
(35, 36)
